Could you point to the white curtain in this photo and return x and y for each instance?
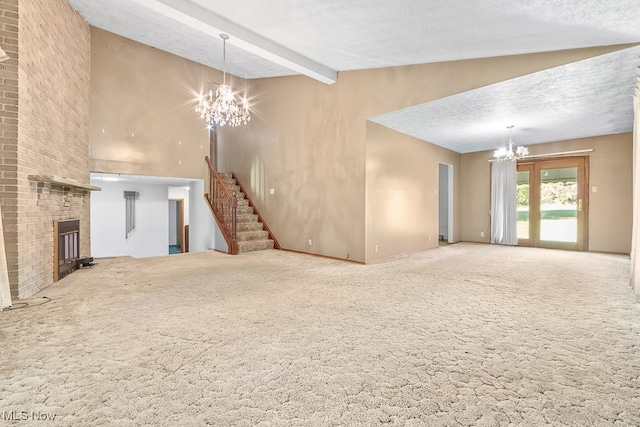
(503, 203)
(635, 234)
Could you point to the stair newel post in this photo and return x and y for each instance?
(234, 205)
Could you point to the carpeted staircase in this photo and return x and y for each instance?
(250, 233)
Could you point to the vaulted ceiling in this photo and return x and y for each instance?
(320, 38)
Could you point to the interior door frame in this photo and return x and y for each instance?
(180, 225)
(449, 193)
(534, 166)
(524, 166)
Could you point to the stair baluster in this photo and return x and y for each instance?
(223, 205)
(242, 226)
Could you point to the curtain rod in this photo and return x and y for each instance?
(560, 153)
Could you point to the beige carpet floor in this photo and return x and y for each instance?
(467, 334)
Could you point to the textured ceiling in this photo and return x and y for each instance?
(317, 38)
(360, 34)
(586, 98)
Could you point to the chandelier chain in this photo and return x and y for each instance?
(224, 59)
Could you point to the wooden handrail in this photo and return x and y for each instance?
(223, 205)
(217, 175)
(276, 245)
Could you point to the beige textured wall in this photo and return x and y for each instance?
(142, 110)
(307, 141)
(401, 200)
(610, 208)
(475, 196)
(52, 138)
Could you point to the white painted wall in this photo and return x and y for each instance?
(220, 243)
(149, 238)
(202, 225)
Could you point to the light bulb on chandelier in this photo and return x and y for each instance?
(222, 108)
(504, 153)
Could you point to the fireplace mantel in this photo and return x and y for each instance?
(63, 182)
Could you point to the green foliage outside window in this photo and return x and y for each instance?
(551, 193)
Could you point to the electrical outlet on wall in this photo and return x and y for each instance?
(310, 242)
(482, 234)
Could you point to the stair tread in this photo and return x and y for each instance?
(257, 241)
(246, 217)
(249, 226)
(247, 232)
(244, 210)
(255, 245)
(252, 235)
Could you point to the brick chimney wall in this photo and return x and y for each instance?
(45, 131)
(9, 121)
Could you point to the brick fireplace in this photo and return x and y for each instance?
(45, 133)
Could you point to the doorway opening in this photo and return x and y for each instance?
(445, 203)
(176, 226)
(553, 205)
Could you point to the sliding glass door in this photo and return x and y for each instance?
(523, 198)
(552, 203)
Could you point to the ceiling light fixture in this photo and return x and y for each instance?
(222, 109)
(508, 154)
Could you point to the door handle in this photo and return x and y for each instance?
(579, 205)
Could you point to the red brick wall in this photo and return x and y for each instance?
(51, 136)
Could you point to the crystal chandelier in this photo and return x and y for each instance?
(508, 154)
(222, 109)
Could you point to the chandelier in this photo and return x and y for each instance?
(508, 154)
(222, 109)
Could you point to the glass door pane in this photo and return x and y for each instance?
(522, 198)
(559, 205)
